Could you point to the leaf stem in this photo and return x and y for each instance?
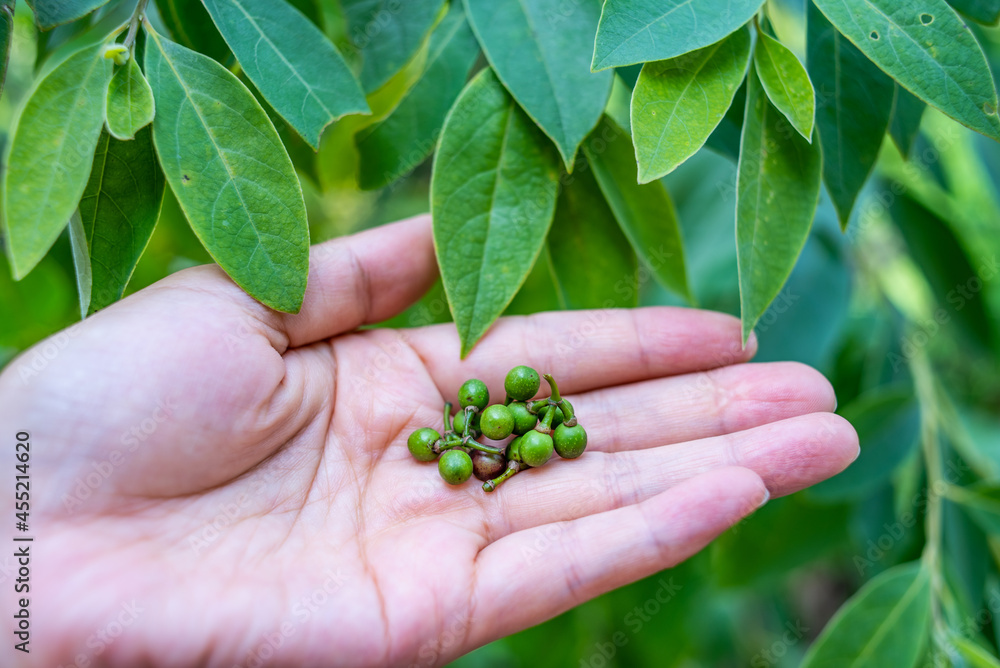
(133, 26)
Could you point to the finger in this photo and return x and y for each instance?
(363, 279)
(693, 406)
(586, 350)
(533, 575)
(788, 456)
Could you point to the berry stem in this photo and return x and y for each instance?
(569, 419)
(555, 388)
(512, 468)
(470, 442)
(447, 416)
(545, 426)
(535, 406)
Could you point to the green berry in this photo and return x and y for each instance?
(536, 448)
(570, 442)
(459, 424)
(455, 466)
(524, 421)
(521, 383)
(496, 422)
(421, 443)
(486, 466)
(514, 450)
(474, 393)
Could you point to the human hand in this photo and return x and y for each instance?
(214, 483)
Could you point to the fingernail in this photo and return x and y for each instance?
(856, 454)
(767, 497)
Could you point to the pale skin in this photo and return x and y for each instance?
(211, 479)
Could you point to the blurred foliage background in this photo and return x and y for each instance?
(910, 289)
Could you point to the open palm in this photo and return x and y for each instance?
(215, 483)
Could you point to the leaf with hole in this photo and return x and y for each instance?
(592, 262)
(777, 184)
(854, 104)
(678, 103)
(926, 47)
(50, 154)
(639, 31)
(130, 102)
(493, 193)
(786, 83)
(230, 173)
(387, 33)
(294, 66)
(645, 213)
(884, 624)
(541, 53)
(394, 147)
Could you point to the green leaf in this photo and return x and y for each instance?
(884, 624)
(191, 26)
(926, 47)
(295, 67)
(981, 501)
(973, 655)
(393, 148)
(907, 113)
(493, 193)
(778, 184)
(230, 173)
(49, 157)
(888, 424)
(786, 82)
(51, 13)
(645, 213)
(592, 262)
(130, 102)
(678, 103)
(81, 261)
(853, 109)
(639, 31)
(541, 53)
(956, 285)
(387, 33)
(118, 213)
(986, 12)
(6, 37)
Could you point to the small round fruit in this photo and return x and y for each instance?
(524, 421)
(474, 393)
(486, 465)
(521, 383)
(536, 448)
(455, 466)
(459, 424)
(421, 443)
(496, 422)
(514, 450)
(570, 442)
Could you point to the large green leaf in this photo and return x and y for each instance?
(542, 55)
(982, 503)
(678, 103)
(394, 147)
(955, 283)
(639, 31)
(130, 102)
(51, 13)
(778, 184)
(191, 26)
(853, 109)
(986, 12)
(884, 624)
(925, 46)
(645, 212)
(907, 113)
(6, 37)
(295, 67)
(387, 33)
(786, 82)
(493, 193)
(118, 213)
(888, 424)
(49, 157)
(592, 262)
(230, 173)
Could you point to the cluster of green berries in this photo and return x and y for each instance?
(539, 429)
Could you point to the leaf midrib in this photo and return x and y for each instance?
(893, 615)
(645, 28)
